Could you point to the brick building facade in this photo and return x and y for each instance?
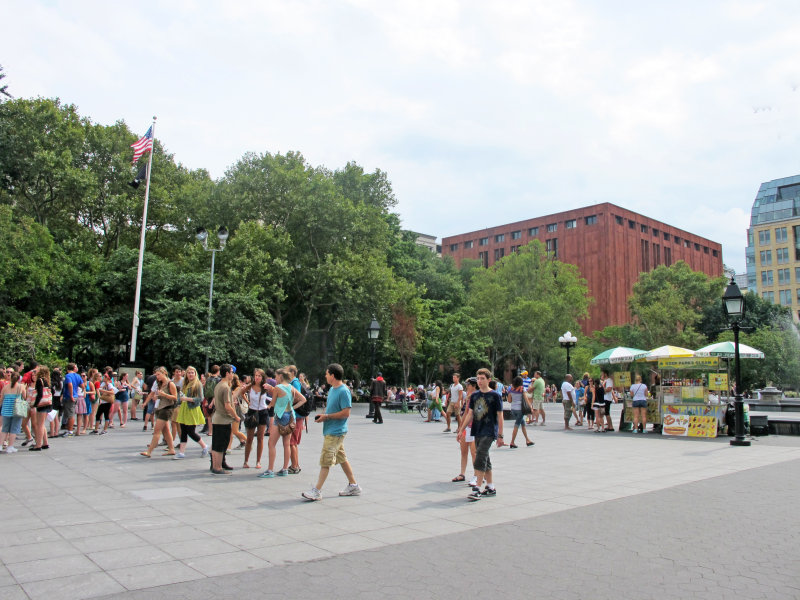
(606, 242)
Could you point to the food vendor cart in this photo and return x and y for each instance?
(687, 408)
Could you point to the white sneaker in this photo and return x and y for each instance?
(10, 450)
(312, 494)
(473, 482)
(178, 456)
(352, 489)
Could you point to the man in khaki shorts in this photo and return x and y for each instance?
(536, 389)
(454, 399)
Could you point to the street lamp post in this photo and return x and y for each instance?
(202, 237)
(734, 306)
(373, 330)
(568, 341)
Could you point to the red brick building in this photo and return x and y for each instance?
(600, 240)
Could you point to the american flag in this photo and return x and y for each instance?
(144, 144)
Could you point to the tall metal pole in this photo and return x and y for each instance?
(739, 440)
(567, 359)
(210, 297)
(135, 332)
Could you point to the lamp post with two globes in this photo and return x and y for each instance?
(202, 237)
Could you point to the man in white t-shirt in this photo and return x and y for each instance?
(454, 399)
(609, 397)
(568, 399)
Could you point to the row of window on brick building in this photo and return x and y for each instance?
(552, 243)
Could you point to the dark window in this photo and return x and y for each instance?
(499, 253)
(570, 224)
(631, 224)
(705, 249)
(655, 232)
(644, 228)
(468, 244)
(676, 239)
(500, 237)
(590, 220)
(552, 246)
(666, 236)
(453, 247)
(484, 258)
(552, 227)
(714, 253)
(645, 255)
(697, 247)
(483, 241)
(656, 255)
(667, 256)
(618, 219)
(533, 231)
(515, 235)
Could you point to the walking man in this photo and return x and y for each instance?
(377, 393)
(334, 429)
(486, 414)
(537, 390)
(568, 399)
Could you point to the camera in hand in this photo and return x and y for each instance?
(318, 418)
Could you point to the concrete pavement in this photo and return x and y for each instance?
(596, 514)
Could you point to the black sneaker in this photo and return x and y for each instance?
(227, 467)
(475, 495)
(488, 492)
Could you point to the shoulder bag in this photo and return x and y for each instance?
(21, 406)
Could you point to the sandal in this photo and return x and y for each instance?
(245, 466)
(529, 443)
(168, 453)
(513, 446)
(145, 454)
(458, 478)
(258, 465)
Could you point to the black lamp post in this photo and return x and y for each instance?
(373, 330)
(568, 341)
(734, 306)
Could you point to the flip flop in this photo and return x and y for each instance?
(529, 443)
(458, 478)
(167, 454)
(245, 466)
(145, 454)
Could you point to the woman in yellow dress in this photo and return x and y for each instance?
(190, 412)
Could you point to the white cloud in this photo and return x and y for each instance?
(480, 113)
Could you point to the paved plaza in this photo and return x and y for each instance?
(579, 514)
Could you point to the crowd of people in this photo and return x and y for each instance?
(269, 408)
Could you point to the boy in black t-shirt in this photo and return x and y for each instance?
(486, 414)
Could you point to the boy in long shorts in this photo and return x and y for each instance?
(485, 412)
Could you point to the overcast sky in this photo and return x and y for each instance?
(481, 113)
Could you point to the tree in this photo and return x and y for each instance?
(524, 302)
(668, 304)
(4, 87)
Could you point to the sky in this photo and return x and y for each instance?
(480, 113)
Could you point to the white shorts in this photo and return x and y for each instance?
(467, 437)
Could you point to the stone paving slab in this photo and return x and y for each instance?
(177, 523)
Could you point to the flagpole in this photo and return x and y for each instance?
(135, 331)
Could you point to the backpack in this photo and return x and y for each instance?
(209, 387)
(309, 406)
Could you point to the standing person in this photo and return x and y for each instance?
(334, 430)
(377, 394)
(580, 400)
(568, 400)
(73, 384)
(297, 434)
(609, 397)
(121, 399)
(222, 416)
(166, 395)
(455, 398)
(108, 392)
(237, 392)
(190, 412)
(42, 404)
(486, 414)
(12, 425)
(57, 385)
(639, 394)
(177, 379)
(284, 399)
(212, 379)
(256, 421)
(92, 382)
(537, 405)
(598, 405)
(588, 406)
(136, 394)
(149, 402)
(517, 395)
(466, 440)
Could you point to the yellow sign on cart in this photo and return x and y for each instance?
(693, 362)
(622, 379)
(718, 381)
